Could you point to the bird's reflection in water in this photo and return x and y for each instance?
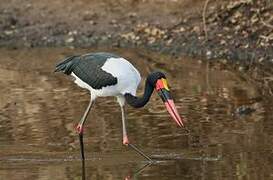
(83, 169)
(135, 173)
(131, 176)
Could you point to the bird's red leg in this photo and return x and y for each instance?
(80, 125)
(126, 140)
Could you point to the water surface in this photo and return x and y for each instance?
(39, 110)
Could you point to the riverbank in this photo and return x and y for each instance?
(234, 32)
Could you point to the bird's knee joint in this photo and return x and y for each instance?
(79, 128)
(125, 141)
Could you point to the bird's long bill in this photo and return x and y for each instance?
(164, 92)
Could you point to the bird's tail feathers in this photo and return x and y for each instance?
(66, 66)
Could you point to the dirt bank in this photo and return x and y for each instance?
(238, 31)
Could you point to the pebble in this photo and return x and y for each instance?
(209, 54)
(69, 40)
(8, 32)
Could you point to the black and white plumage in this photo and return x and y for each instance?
(106, 74)
(103, 74)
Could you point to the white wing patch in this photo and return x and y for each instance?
(127, 75)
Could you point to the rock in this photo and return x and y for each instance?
(8, 32)
(29, 5)
(223, 42)
(132, 15)
(130, 36)
(113, 21)
(151, 40)
(154, 32)
(237, 14)
(224, 61)
(75, 32)
(209, 54)
(70, 40)
(88, 16)
(168, 43)
(241, 68)
(92, 22)
(182, 29)
(261, 59)
(196, 29)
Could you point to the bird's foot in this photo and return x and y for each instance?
(140, 152)
(79, 128)
(125, 141)
(128, 144)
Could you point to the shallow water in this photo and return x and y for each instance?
(39, 110)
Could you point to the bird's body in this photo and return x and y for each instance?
(106, 74)
(103, 74)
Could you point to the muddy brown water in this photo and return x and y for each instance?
(39, 110)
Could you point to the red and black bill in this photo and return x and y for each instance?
(164, 92)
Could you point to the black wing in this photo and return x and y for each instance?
(88, 69)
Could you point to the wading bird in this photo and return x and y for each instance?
(106, 74)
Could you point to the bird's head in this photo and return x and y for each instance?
(159, 82)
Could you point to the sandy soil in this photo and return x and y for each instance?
(59, 22)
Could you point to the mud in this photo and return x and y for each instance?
(239, 31)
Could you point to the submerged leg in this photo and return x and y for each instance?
(83, 169)
(80, 127)
(125, 136)
(81, 145)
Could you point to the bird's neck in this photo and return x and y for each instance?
(138, 102)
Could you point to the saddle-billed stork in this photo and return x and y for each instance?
(106, 74)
